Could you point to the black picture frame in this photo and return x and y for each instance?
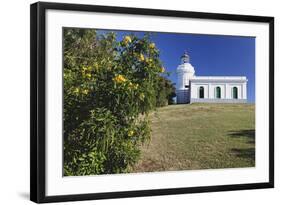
(38, 101)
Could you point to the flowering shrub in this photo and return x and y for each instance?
(109, 89)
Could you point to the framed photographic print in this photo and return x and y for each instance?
(129, 102)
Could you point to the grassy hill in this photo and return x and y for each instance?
(200, 136)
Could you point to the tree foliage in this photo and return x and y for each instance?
(109, 89)
(165, 92)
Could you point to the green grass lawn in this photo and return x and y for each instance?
(200, 136)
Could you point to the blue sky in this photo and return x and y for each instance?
(211, 55)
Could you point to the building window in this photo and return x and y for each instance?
(218, 92)
(201, 92)
(234, 93)
(186, 86)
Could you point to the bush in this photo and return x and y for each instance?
(109, 89)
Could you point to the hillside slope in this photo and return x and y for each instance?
(200, 136)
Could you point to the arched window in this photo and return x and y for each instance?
(201, 92)
(218, 92)
(234, 93)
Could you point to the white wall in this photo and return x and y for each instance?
(226, 90)
(195, 90)
(14, 104)
(244, 91)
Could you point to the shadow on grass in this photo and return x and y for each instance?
(249, 134)
(247, 153)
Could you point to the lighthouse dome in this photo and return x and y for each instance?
(185, 68)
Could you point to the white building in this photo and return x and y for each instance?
(210, 89)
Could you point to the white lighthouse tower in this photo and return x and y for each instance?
(185, 72)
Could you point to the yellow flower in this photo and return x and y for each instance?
(136, 86)
(86, 68)
(142, 96)
(141, 58)
(162, 70)
(85, 91)
(127, 39)
(130, 133)
(88, 75)
(120, 79)
(131, 85)
(76, 90)
(148, 60)
(152, 45)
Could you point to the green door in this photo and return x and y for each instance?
(201, 92)
(218, 92)
(235, 92)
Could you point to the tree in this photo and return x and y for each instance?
(109, 89)
(166, 91)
